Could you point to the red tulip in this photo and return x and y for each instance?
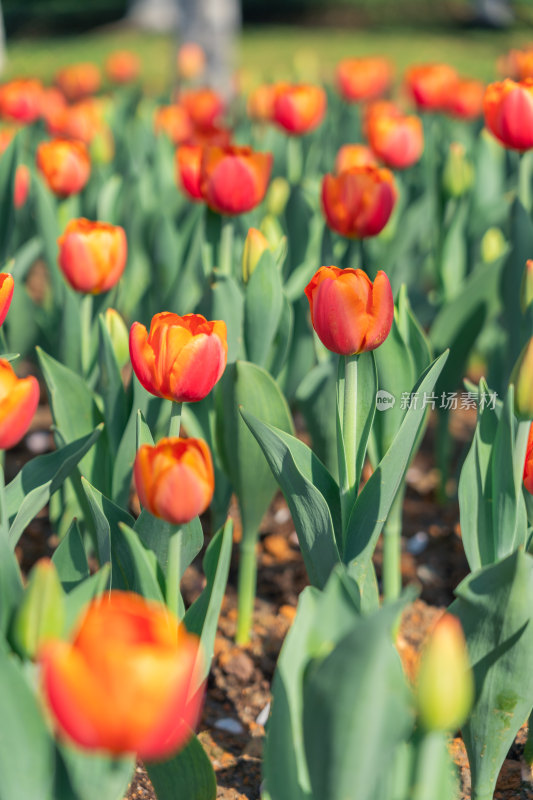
(349, 313)
(19, 399)
(127, 681)
(65, 165)
(181, 358)
(358, 202)
(508, 108)
(354, 155)
(7, 286)
(188, 163)
(175, 122)
(234, 180)
(397, 141)
(528, 464)
(430, 85)
(22, 185)
(92, 255)
(298, 109)
(204, 106)
(78, 80)
(21, 100)
(174, 479)
(123, 66)
(363, 78)
(466, 99)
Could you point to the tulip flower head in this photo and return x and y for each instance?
(188, 164)
(7, 285)
(363, 78)
(78, 80)
(349, 313)
(204, 106)
(181, 358)
(522, 378)
(358, 202)
(127, 681)
(65, 165)
(466, 100)
(354, 155)
(19, 398)
(431, 85)
(174, 479)
(260, 103)
(234, 180)
(190, 61)
(397, 141)
(92, 255)
(175, 122)
(528, 464)
(22, 185)
(298, 109)
(21, 100)
(123, 66)
(508, 109)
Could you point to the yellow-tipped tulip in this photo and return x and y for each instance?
(522, 377)
(526, 289)
(254, 246)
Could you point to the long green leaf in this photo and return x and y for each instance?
(188, 775)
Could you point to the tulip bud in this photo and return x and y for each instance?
(7, 287)
(277, 196)
(526, 289)
(522, 377)
(41, 615)
(458, 174)
(492, 245)
(254, 247)
(119, 335)
(102, 147)
(445, 689)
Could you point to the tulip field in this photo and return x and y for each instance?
(266, 405)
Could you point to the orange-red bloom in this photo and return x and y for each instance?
(363, 78)
(354, 155)
(175, 122)
(397, 141)
(349, 313)
(127, 681)
(430, 85)
(181, 358)
(92, 255)
(528, 464)
(78, 80)
(19, 399)
(465, 101)
(508, 108)
(82, 121)
(190, 61)
(22, 185)
(260, 103)
(300, 108)
(7, 285)
(65, 165)
(21, 100)
(123, 66)
(175, 478)
(234, 180)
(204, 106)
(188, 163)
(358, 202)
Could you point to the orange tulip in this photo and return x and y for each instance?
(7, 286)
(175, 478)
(127, 681)
(234, 180)
(19, 399)
(260, 103)
(354, 155)
(300, 108)
(53, 102)
(181, 358)
(204, 106)
(466, 99)
(78, 80)
(190, 61)
(92, 255)
(21, 100)
(175, 122)
(123, 66)
(397, 141)
(528, 464)
(215, 136)
(363, 78)
(377, 110)
(349, 313)
(65, 165)
(358, 202)
(430, 85)
(81, 121)
(188, 163)
(508, 108)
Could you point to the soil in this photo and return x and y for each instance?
(232, 726)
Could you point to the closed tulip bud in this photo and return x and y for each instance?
(363, 78)
(354, 155)
(19, 399)
(445, 686)
(118, 333)
(528, 463)
(255, 245)
(78, 80)
(181, 358)
(7, 286)
(522, 378)
(190, 61)
(431, 85)
(526, 289)
(398, 141)
(508, 108)
(188, 164)
(174, 479)
(458, 174)
(349, 313)
(123, 66)
(92, 255)
(65, 165)
(127, 681)
(41, 614)
(300, 108)
(492, 245)
(22, 186)
(234, 180)
(358, 202)
(278, 196)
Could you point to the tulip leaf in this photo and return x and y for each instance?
(494, 606)
(11, 589)
(202, 616)
(136, 564)
(8, 169)
(111, 389)
(70, 559)
(225, 301)
(23, 731)
(315, 397)
(32, 487)
(282, 340)
(155, 535)
(83, 775)
(263, 306)
(454, 255)
(311, 494)
(47, 225)
(521, 238)
(189, 774)
(83, 593)
(106, 516)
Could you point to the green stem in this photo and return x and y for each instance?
(175, 419)
(525, 165)
(443, 447)
(225, 264)
(433, 767)
(349, 435)
(246, 587)
(294, 159)
(173, 572)
(86, 321)
(392, 550)
(3, 343)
